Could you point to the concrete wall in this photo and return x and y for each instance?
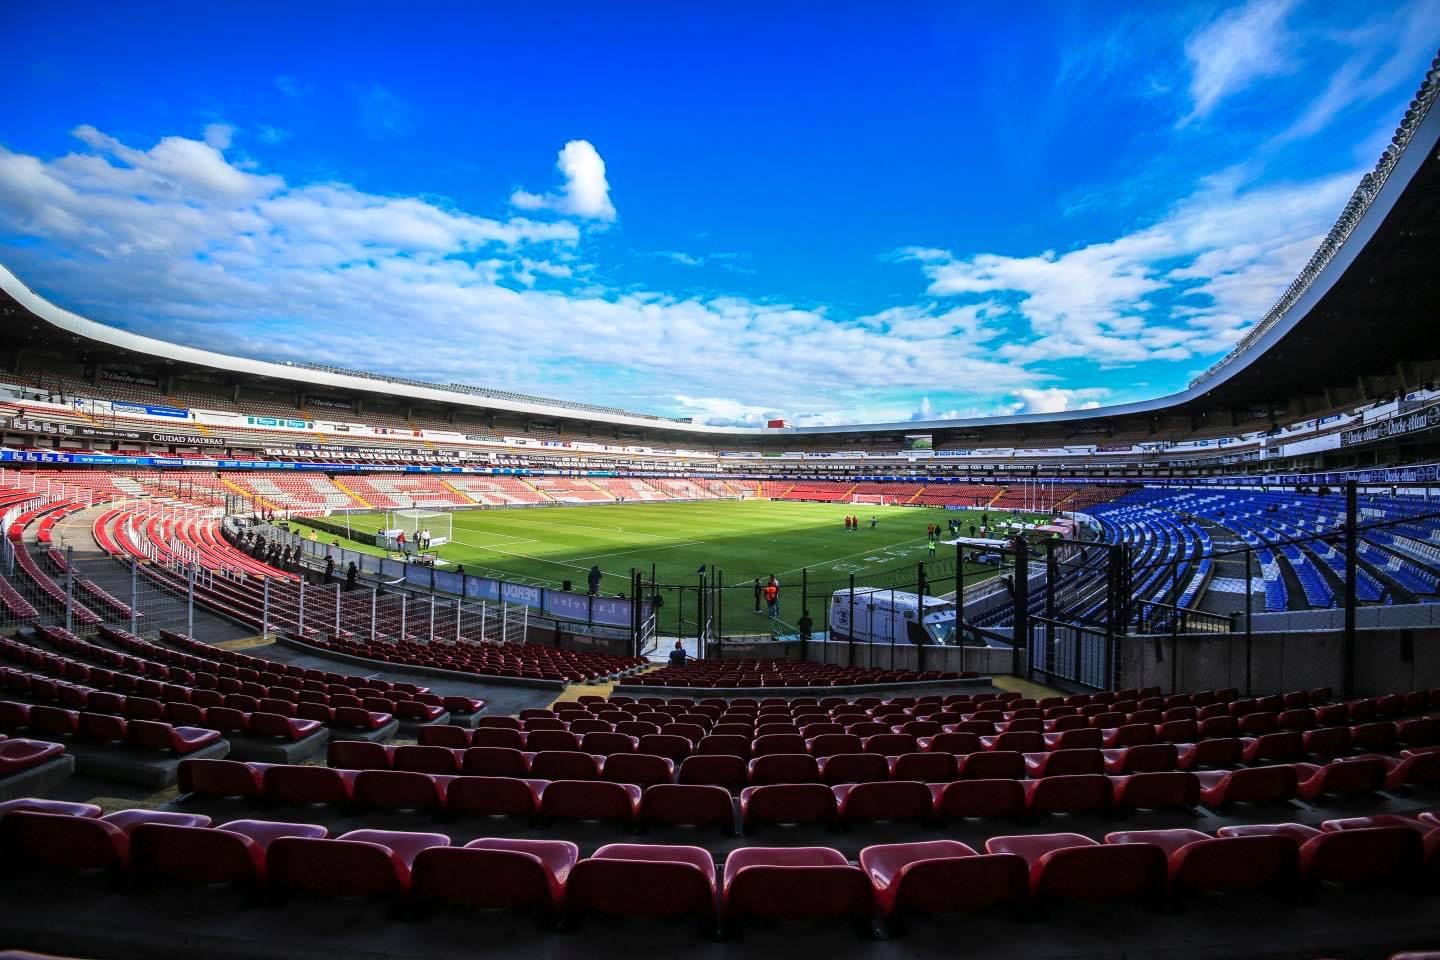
(1386, 661)
(985, 661)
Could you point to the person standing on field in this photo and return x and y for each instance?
(757, 594)
(594, 579)
(772, 598)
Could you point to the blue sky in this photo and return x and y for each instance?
(829, 212)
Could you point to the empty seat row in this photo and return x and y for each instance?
(791, 883)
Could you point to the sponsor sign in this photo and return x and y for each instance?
(280, 422)
(1394, 427)
(81, 431)
(178, 413)
(121, 376)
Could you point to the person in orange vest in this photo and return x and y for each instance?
(772, 597)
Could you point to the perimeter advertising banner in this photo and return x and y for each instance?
(81, 431)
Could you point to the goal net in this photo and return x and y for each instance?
(422, 528)
(873, 499)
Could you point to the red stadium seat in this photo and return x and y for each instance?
(60, 840)
(688, 805)
(793, 883)
(1071, 866)
(638, 768)
(926, 767)
(590, 800)
(787, 803)
(397, 790)
(784, 768)
(1201, 863)
(219, 778)
(650, 880)
(889, 800)
(564, 765)
(492, 796)
(495, 762)
(1084, 793)
(495, 873)
(853, 768)
(942, 876)
(979, 798)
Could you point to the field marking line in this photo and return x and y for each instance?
(523, 556)
(491, 533)
(590, 526)
(658, 546)
(871, 549)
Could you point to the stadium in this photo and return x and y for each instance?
(302, 657)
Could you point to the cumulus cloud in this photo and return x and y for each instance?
(1187, 286)
(1056, 399)
(178, 241)
(1234, 50)
(585, 191)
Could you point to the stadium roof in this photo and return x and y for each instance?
(1357, 326)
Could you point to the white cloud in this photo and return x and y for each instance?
(180, 242)
(1186, 286)
(1056, 399)
(1373, 60)
(1239, 47)
(585, 192)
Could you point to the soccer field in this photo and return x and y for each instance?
(744, 539)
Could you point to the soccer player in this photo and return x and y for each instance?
(874, 521)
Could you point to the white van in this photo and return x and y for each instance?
(886, 616)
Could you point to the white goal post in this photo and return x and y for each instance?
(872, 499)
(437, 523)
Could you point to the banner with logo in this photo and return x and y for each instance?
(177, 413)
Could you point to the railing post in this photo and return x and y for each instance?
(403, 605)
(1352, 535)
(850, 644)
(69, 587)
(1249, 635)
(432, 619)
(459, 608)
(190, 603)
(300, 609)
(265, 608)
(374, 592)
(134, 594)
(337, 611)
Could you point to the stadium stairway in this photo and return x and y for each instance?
(250, 495)
(457, 491)
(340, 484)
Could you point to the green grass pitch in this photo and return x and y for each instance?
(744, 539)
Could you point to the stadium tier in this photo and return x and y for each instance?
(302, 660)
